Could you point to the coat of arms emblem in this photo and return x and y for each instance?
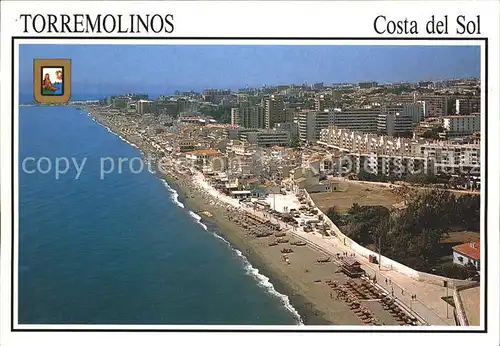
(52, 80)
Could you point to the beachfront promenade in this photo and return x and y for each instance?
(429, 304)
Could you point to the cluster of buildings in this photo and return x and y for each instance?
(378, 127)
(141, 104)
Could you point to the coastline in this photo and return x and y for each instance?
(311, 311)
(301, 286)
(233, 234)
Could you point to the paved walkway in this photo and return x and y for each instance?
(428, 305)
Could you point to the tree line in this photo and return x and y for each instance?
(412, 235)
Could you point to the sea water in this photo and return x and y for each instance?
(123, 249)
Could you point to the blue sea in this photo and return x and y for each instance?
(60, 88)
(123, 249)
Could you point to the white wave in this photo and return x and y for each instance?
(264, 282)
(123, 139)
(198, 220)
(110, 131)
(174, 194)
(261, 279)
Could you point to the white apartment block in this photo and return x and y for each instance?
(322, 103)
(248, 117)
(435, 105)
(394, 124)
(311, 123)
(462, 125)
(267, 138)
(450, 158)
(359, 142)
(359, 119)
(144, 106)
(383, 154)
(396, 166)
(274, 110)
(465, 105)
(415, 111)
(235, 117)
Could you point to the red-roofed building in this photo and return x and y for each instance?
(467, 253)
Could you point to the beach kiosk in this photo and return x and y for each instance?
(241, 194)
(351, 267)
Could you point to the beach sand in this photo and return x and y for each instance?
(296, 280)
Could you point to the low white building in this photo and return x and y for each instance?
(467, 254)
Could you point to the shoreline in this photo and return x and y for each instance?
(303, 285)
(231, 233)
(227, 230)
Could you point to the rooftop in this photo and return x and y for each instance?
(460, 116)
(467, 300)
(243, 192)
(471, 250)
(471, 303)
(208, 152)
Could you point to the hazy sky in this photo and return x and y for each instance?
(156, 68)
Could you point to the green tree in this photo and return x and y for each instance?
(433, 133)
(421, 178)
(333, 214)
(455, 271)
(295, 142)
(412, 235)
(468, 211)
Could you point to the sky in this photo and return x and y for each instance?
(158, 69)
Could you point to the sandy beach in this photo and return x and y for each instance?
(311, 299)
(302, 278)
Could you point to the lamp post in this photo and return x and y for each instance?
(379, 251)
(446, 301)
(274, 200)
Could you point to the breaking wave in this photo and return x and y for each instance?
(198, 220)
(174, 194)
(261, 279)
